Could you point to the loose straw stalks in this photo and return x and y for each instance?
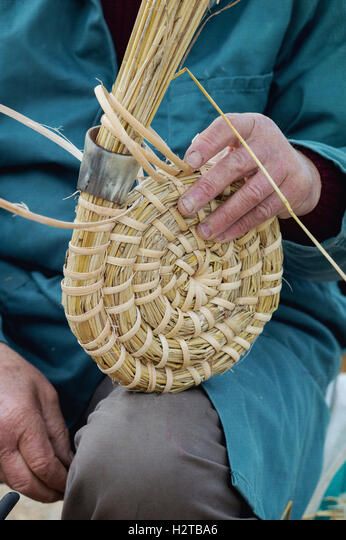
(161, 35)
(42, 130)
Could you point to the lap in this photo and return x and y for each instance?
(149, 456)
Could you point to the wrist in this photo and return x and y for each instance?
(314, 185)
(325, 221)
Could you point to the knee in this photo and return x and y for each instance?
(132, 464)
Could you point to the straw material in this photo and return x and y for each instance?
(155, 306)
(160, 309)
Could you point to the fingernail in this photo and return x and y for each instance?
(187, 204)
(204, 230)
(194, 159)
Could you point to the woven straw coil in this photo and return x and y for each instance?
(156, 307)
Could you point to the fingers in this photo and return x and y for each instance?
(33, 453)
(249, 197)
(219, 135)
(294, 191)
(39, 456)
(18, 476)
(266, 210)
(56, 428)
(234, 166)
(28, 460)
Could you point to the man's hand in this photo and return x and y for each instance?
(34, 443)
(256, 201)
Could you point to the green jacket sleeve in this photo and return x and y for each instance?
(307, 101)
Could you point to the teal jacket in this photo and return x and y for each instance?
(285, 59)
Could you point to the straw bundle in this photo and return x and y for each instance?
(156, 307)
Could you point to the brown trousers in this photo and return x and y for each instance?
(151, 457)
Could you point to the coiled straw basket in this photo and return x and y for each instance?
(155, 306)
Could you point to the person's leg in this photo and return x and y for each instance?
(152, 457)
